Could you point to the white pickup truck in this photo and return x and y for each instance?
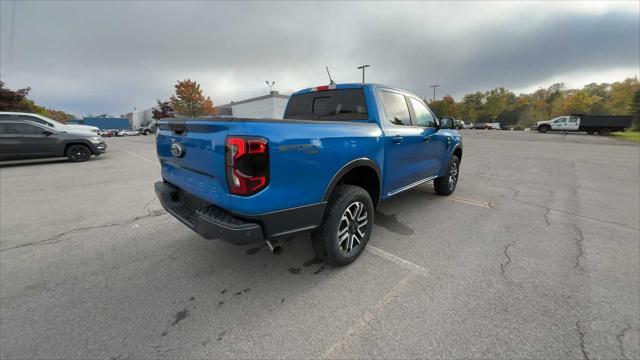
(591, 124)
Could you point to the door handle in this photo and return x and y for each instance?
(397, 139)
(426, 139)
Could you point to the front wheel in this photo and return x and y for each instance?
(543, 129)
(78, 153)
(346, 226)
(446, 185)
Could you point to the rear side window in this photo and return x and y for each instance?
(18, 128)
(331, 105)
(36, 119)
(395, 108)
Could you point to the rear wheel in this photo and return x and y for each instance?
(604, 131)
(590, 132)
(78, 153)
(346, 226)
(446, 185)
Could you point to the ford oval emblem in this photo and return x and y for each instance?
(177, 149)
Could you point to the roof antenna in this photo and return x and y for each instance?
(331, 82)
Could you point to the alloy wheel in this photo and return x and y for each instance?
(353, 226)
(453, 176)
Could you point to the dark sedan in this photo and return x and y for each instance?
(30, 140)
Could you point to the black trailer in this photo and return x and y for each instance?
(603, 124)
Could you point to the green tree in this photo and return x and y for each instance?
(635, 106)
(621, 96)
(498, 100)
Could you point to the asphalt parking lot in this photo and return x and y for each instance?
(536, 255)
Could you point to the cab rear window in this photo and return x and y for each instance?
(331, 105)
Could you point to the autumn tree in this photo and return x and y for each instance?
(59, 115)
(189, 100)
(579, 102)
(163, 110)
(11, 100)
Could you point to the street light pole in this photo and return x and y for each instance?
(363, 67)
(434, 86)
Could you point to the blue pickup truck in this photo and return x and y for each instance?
(338, 152)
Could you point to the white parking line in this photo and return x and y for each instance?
(398, 260)
(462, 200)
(336, 350)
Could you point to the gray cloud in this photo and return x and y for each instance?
(111, 56)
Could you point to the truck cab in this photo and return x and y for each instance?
(566, 123)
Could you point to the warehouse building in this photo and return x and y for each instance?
(271, 105)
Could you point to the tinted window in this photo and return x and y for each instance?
(423, 115)
(345, 104)
(395, 108)
(17, 128)
(573, 119)
(560, 120)
(37, 120)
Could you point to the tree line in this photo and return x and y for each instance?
(16, 100)
(524, 110)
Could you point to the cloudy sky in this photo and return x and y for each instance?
(111, 56)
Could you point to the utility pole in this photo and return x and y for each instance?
(434, 86)
(363, 67)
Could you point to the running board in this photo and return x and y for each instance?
(391, 193)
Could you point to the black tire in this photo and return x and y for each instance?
(146, 132)
(78, 153)
(344, 214)
(543, 129)
(604, 131)
(590, 132)
(446, 185)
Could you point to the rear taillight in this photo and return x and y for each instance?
(247, 164)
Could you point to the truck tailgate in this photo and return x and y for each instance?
(196, 164)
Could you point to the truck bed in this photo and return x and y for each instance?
(610, 121)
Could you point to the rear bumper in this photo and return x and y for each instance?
(212, 222)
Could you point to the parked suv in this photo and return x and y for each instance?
(21, 139)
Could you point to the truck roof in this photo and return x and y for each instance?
(346, 86)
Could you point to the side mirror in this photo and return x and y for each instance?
(446, 123)
(47, 132)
